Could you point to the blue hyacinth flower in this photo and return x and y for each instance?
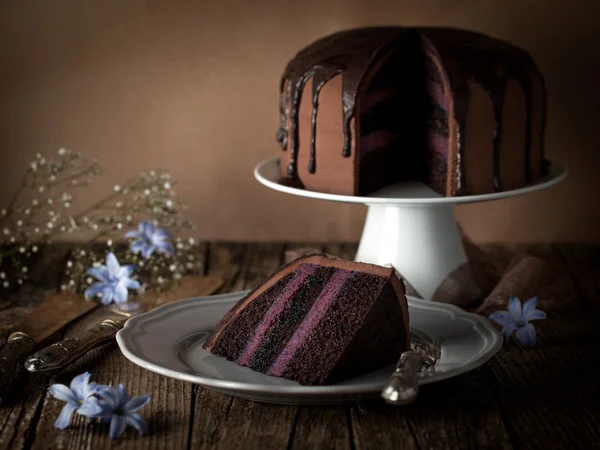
(149, 239)
(79, 397)
(120, 410)
(114, 281)
(516, 320)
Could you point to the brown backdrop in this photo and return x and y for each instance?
(192, 86)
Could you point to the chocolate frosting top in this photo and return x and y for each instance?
(465, 55)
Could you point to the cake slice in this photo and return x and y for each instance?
(317, 320)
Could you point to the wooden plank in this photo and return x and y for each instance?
(209, 413)
(223, 422)
(167, 414)
(457, 413)
(296, 249)
(460, 413)
(321, 427)
(226, 260)
(242, 266)
(341, 250)
(549, 394)
(583, 265)
(18, 418)
(42, 281)
(376, 425)
(19, 414)
(220, 421)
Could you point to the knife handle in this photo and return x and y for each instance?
(58, 356)
(403, 385)
(17, 347)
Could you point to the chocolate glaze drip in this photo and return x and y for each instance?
(319, 79)
(281, 135)
(522, 69)
(527, 87)
(544, 170)
(525, 79)
(464, 55)
(349, 53)
(529, 109)
(519, 68)
(497, 95)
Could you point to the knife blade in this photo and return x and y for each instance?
(48, 317)
(58, 356)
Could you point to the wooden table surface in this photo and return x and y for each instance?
(547, 397)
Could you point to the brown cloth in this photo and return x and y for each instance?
(520, 279)
(459, 288)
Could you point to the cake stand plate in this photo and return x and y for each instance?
(168, 340)
(408, 225)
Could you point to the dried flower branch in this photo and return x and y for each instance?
(41, 210)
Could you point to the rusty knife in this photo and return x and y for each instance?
(48, 317)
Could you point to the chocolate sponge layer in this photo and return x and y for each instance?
(287, 322)
(333, 351)
(234, 337)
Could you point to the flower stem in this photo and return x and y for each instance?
(91, 208)
(84, 171)
(11, 251)
(15, 197)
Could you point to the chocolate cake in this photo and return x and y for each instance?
(317, 320)
(365, 108)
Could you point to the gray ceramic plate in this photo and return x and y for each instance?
(168, 341)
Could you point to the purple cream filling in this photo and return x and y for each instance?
(436, 93)
(314, 316)
(376, 140)
(438, 143)
(375, 98)
(303, 272)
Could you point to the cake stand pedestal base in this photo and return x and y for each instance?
(421, 242)
(409, 225)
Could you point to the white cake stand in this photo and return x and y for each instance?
(408, 225)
